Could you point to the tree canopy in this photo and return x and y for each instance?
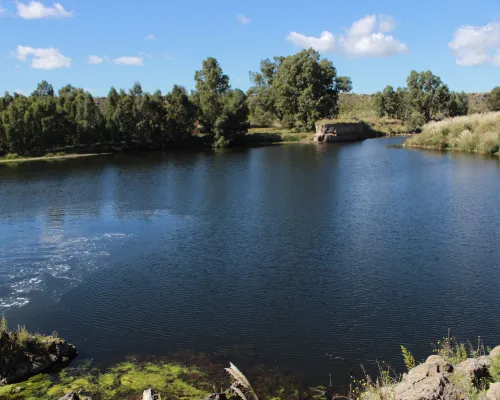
(299, 89)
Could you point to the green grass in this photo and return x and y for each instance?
(278, 135)
(478, 133)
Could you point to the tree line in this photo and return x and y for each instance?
(294, 92)
(424, 98)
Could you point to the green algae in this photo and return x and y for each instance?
(126, 380)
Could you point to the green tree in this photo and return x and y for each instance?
(43, 89)
(180, 114)
(344, 84)
(299, 89)
(494, 99)
(428, 95)
(222, 112)
(211, 84)
(458, 104)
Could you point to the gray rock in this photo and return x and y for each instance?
(35, 356)
(474, 369)
(493, 392)
(429, 381)
(495, 352)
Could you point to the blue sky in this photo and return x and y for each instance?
(458, 40)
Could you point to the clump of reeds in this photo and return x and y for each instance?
(477, 133)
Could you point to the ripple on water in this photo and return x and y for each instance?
(53, 264)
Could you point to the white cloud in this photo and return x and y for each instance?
(361, 40)
(326, 42)
(94, 60)
(243, 20)
(476, 45)
(387, 23)
(150, 37)
(36, 9)
(49, 58)
(136, 61)
(168, 56)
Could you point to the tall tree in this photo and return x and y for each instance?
(222, 112)
(180, 114)
(428, 95)
(494, 99)
(299, 89)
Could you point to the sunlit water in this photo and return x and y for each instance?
(277, 255)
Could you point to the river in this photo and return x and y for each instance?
(281, 254)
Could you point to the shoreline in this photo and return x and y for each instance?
(449, 149)
(48, 158)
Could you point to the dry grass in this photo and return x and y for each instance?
(476, 133)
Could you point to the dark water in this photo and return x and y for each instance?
(280, 254)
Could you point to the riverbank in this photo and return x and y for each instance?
(478, 133)
(455, 371)
(49, 157)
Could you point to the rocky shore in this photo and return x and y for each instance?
(24, 355)
(438, 379)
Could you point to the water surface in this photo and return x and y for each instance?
(280, 254)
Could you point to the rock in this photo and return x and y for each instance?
(70, 396)
(495, 352)
(429, 381)
(342, 132)
(474, 369)
(493, 392)
(35, 355)
(150, 394)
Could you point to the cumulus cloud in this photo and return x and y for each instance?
(387, 23)
(135, 61)
(476, 45)
(362, 39)
(94, 60)
(326, 42)
(242, 19)
(49, 58)
(36, 10)
(150, 37)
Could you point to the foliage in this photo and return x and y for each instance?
(299, 89)
(494, 99)
(222, 112)
(477, 133)
(424, 98)
(408, 358)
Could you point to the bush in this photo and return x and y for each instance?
(416, 122)
(494, 99)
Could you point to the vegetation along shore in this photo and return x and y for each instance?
(289, 96)
(31, 367)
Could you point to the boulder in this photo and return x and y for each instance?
(493, 392)
(429, 381)
(35, 355)
(495, 352)
(474, 369)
